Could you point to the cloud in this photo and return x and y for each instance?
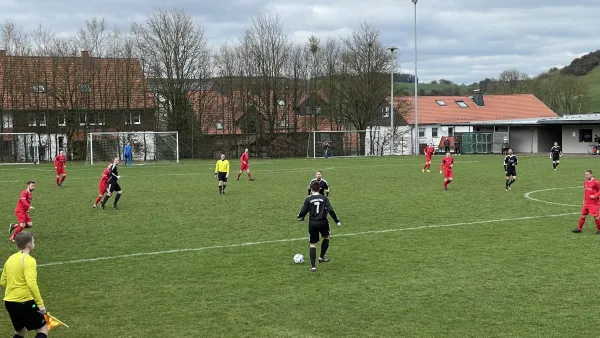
(457, 40)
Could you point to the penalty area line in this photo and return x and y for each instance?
(276, 241)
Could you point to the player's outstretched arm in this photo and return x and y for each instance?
(331, 212)
(304, 210)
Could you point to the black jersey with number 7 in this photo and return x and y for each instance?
(317, 206)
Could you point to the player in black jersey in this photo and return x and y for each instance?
(510, 167)
(113, 185)
(324, 186)
(555, 154)
(317, 206)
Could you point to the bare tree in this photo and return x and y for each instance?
(512, 82)
(14, 39)
(177, 57)
(42, 40)
(269, 50)
(363, 85)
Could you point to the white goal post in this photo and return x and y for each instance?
(19, 148)
(375, 141)
(153, 146)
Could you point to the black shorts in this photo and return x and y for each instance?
(222, 176)
(316, 229)
(555, 158)
(25, 315)
(511, 171)
(113, 186)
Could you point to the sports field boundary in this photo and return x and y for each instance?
(276, 241)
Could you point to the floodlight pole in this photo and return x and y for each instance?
(416, 89)
(392, 50)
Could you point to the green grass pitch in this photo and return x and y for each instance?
(410, 260)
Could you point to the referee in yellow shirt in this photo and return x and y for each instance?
(222, 173)
(22, 296)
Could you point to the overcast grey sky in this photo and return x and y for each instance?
(463, 41)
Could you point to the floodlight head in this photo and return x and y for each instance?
(392, 49)
(415, 1)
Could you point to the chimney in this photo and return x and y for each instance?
(85, 58)
(478, 97)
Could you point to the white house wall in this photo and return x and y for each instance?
(570, 138)
(441, 132)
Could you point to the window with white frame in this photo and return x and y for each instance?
(133, 118)
(283, 124)
(32, 120)
(41, 119)
(82, 119)
(421, 132)
(97, 119)
(7, 121)
(434, 132)
(62, 119)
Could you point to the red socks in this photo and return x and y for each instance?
(597, 224)
(239, 174)
(98, 199)
(57, 180)
(249, 176)
(18, 229)
(63, 178)
(581, 223)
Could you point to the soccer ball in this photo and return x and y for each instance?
(298, 259)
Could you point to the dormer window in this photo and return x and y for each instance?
(84, 88)
(385, 111)
(219, 125)
(441, 103)
(38, 88)
(283, 124)
(462, 104)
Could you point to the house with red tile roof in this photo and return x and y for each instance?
(460, 119)
(62, 98)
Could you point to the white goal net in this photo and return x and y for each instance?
(19, 148)
(146, 146)
(375, 141)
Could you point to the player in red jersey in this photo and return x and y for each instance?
(446, 168)
(244, 165)
(60, 163)
(103, 185)
(429, 151)
(591, 202)
(22, 212)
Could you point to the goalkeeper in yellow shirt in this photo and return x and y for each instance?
(222, 173)
(22, 296)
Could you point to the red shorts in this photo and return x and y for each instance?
(590, 209)
(447, 173)
(427, 158)
(244, 167)
(60, 171)
(23, 217)
(102, 188)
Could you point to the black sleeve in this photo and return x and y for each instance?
(304, 210)
(330, 210)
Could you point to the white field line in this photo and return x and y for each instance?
(528, 196)
(227, 246)
(203, 172)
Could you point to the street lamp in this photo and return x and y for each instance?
(392, 50)
(416, 92)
